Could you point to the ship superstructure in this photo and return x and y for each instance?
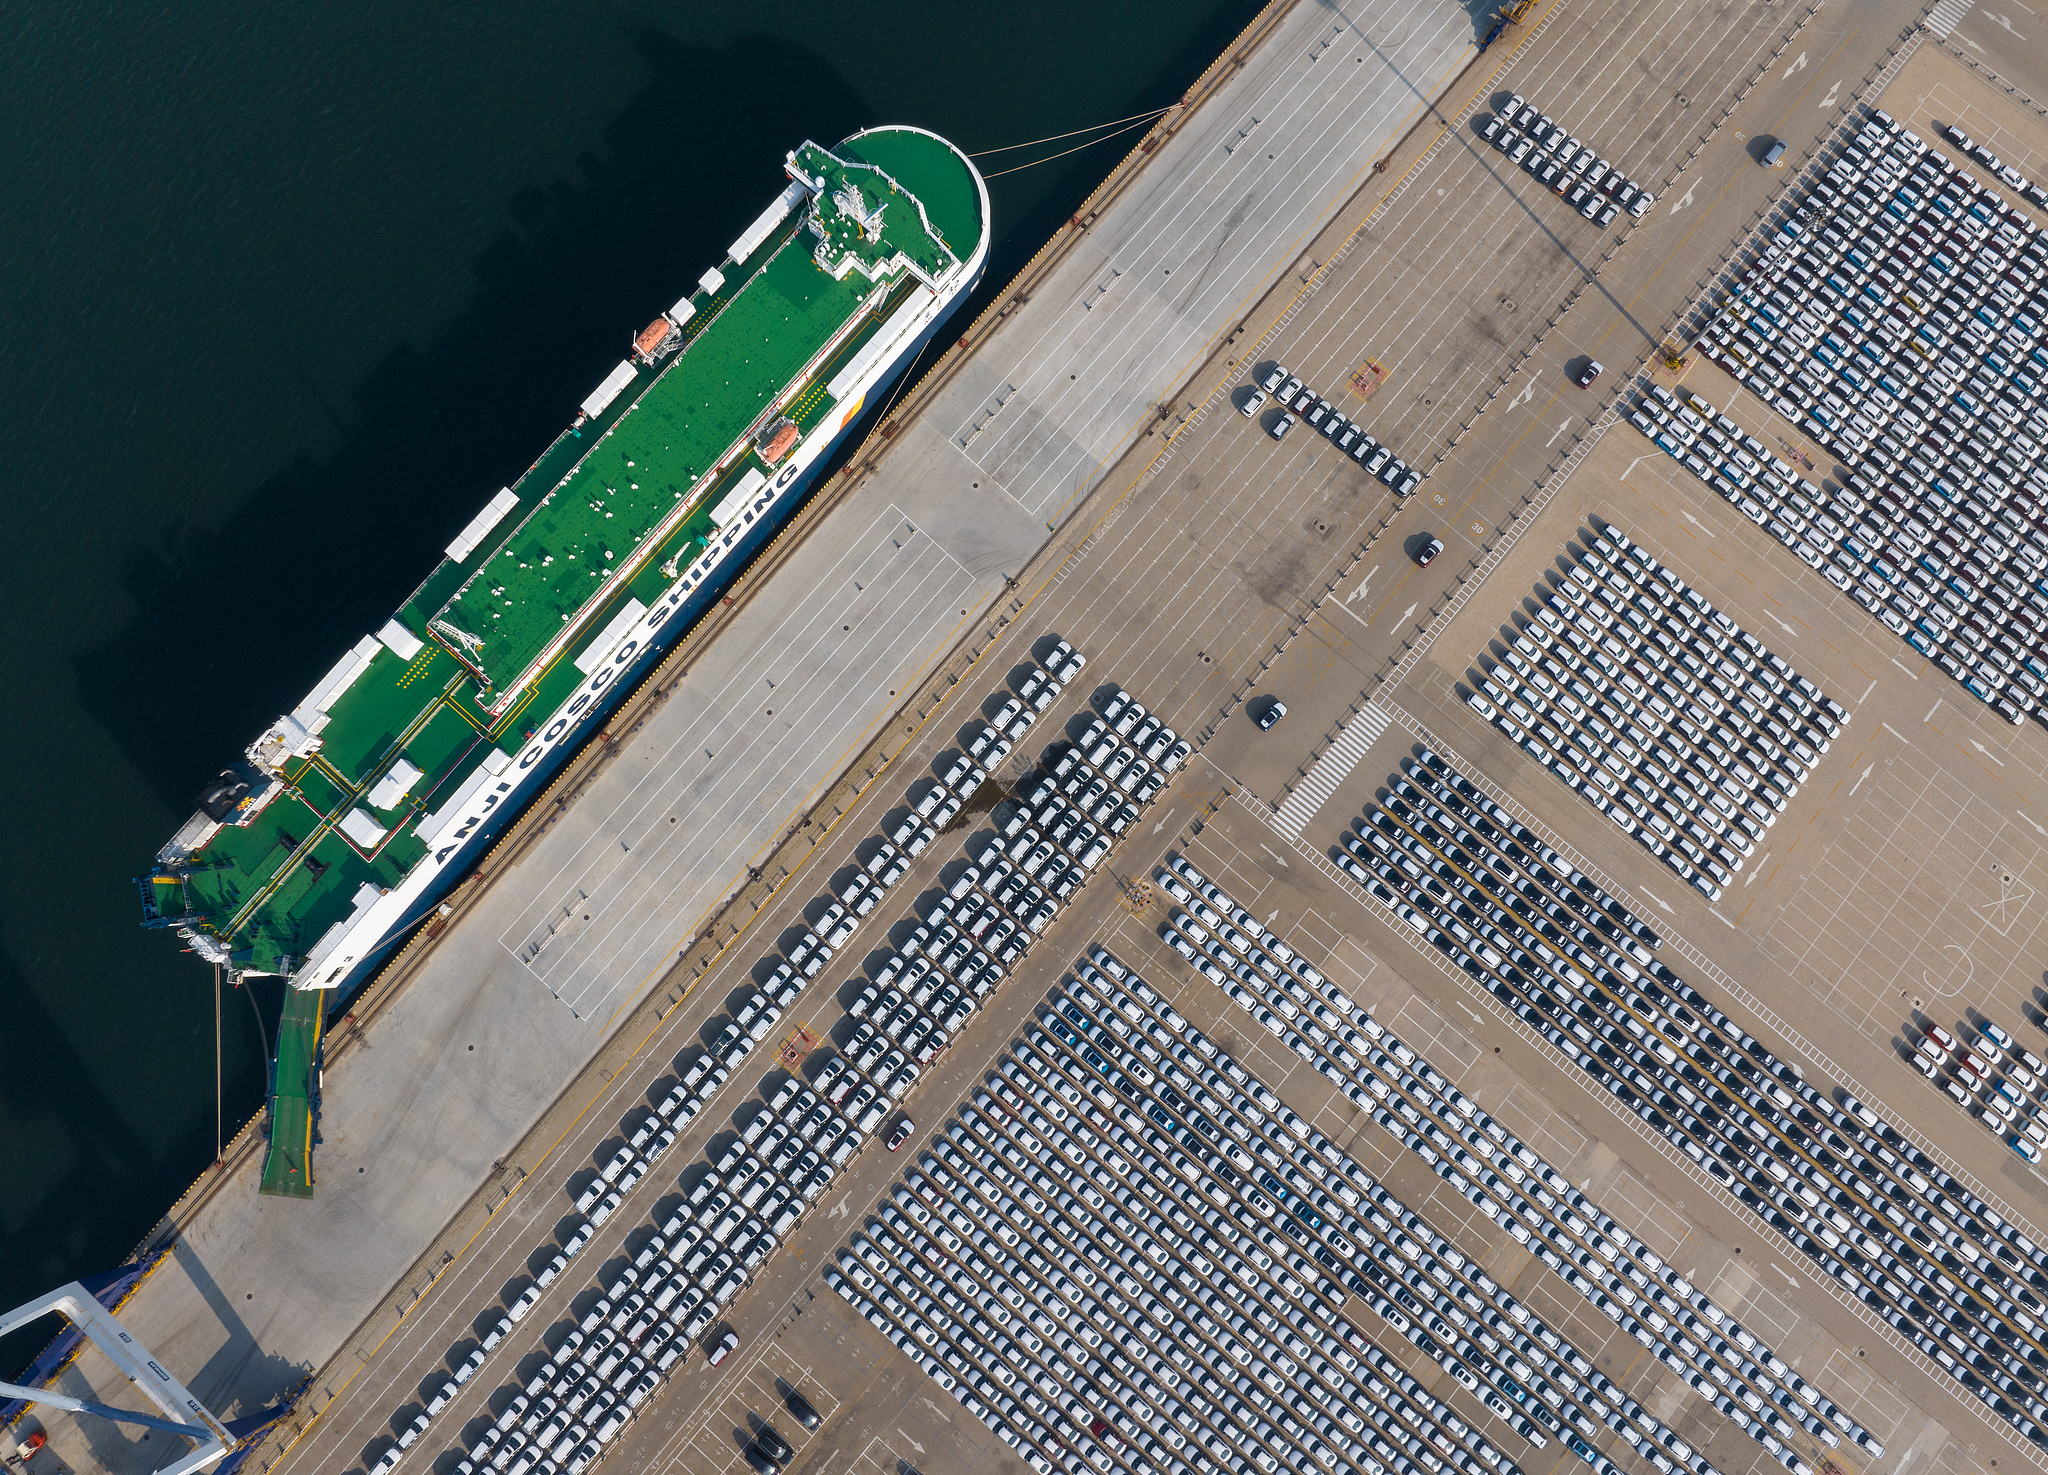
(350, 814)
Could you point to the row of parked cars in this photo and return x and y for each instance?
(1006, 890)
(1298, 403)
(1897, 315)
(739, 1208)
(1673, 721)
(1876, 1213)
(1060, 1263)
(1993, 1078)
(594, 1380)
(1590, 185)
(2031, 192)
(1513, 1186)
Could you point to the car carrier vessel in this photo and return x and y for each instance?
(343, 823)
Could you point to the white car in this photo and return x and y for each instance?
(1254, 402)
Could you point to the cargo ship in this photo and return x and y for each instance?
(340, 827)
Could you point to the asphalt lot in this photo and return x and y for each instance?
(1232, 564)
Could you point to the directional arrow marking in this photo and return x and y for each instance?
(1759, 868)
(1697, 523)
(1987, 752)
(1833, 93)
(1276, 855)
(1859, 780)
(1404, 616)
(1798, 64)
(1656, 898)
(1363, 584)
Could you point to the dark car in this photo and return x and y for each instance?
(1269, 714)
(772, 1444)
(800, 1408)
(1428, 551)
(1588, 374)
(762, 1461)
(901, 1133)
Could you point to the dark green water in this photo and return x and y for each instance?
(286, 292)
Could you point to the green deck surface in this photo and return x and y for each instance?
(543, 576)
(295, 1086)
(938, 175)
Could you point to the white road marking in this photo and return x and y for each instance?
(1403, 619)
(1782, 625)
(1528, 393)
(1833, 93)
(2003, 20)
(1363, 584)
(839, 1209)
(1859, 781)
(1275, 854)
(1798, 63)
(1759, 865)
(1354, 614)
(1562, 427)
(1987, 752)
(1657, 899)
(1790, 1279)
(1867, 691)
(1160, 823)
(1903, 667)
(1697, 523)
(1933, 709)
(1685, 199)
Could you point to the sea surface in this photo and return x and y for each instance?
(286, 292)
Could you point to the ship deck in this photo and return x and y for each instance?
(280, 881)
(544, 574)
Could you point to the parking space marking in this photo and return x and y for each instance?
(1418, 1023)
(1871, 1403)
(1764, 1311)
(1920, 879)
(1562, 1143)
(1653, 1221)
(701, 1448)
(1351, 966)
